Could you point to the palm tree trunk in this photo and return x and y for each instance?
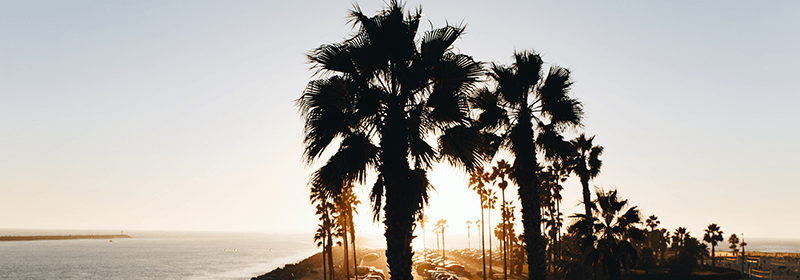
(713, 256)
(505, 244)
(444, 257)
(346, 259)
(489, 218)
(399, 222)
(353, 242)
(330, 255)
(324, 260)
(437, 242)
(587, 198)
(535, 243)
(423, 244)
(483, 247)
(399, 191)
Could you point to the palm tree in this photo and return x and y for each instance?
(526, 102)
(586, 164)
(616, 229)
(380, 94)
(468, 237)
(652, 222)
(679, 237)
(477, 180)
(713, 235)
(436, 232)
(324, 209)
(346, 205)
(491, 199)
(734, 241)
(500, 173)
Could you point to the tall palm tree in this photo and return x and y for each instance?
(380, 94)
(524, 103)
(346, 205)
(340, 219)
(477, 181)
(500, 172)
(713, 235)
(483, 250)
(586, 164)
(491, 199)
(324, 209)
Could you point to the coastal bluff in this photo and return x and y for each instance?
(61, 237)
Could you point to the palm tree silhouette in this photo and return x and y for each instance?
(491, 199)
(477, 180)
(652, 222)
(586, 164)
(713, 235)
(734, 241)
(524, 103)
(500, 172)
(678, 238)
(381, 94)
(324, 209)
(346, 204)
(616, 229)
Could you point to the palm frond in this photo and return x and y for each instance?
(529, 69)
(562, 110)
(438, 41)
(461, 146)
(419, 190)
(376, 198)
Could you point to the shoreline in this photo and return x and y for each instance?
(306, 267)
(61, 237)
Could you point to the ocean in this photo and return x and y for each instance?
(151, 255)
(198, 255)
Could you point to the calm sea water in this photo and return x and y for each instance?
(151, 255)
(193, 255)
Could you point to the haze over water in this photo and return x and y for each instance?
(152, 255)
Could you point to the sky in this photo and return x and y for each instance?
(179, 115)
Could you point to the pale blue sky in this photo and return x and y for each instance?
(179, 115)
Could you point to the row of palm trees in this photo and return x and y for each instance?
(382, 93)
(336, 222)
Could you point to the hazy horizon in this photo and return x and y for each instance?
(179, 116)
